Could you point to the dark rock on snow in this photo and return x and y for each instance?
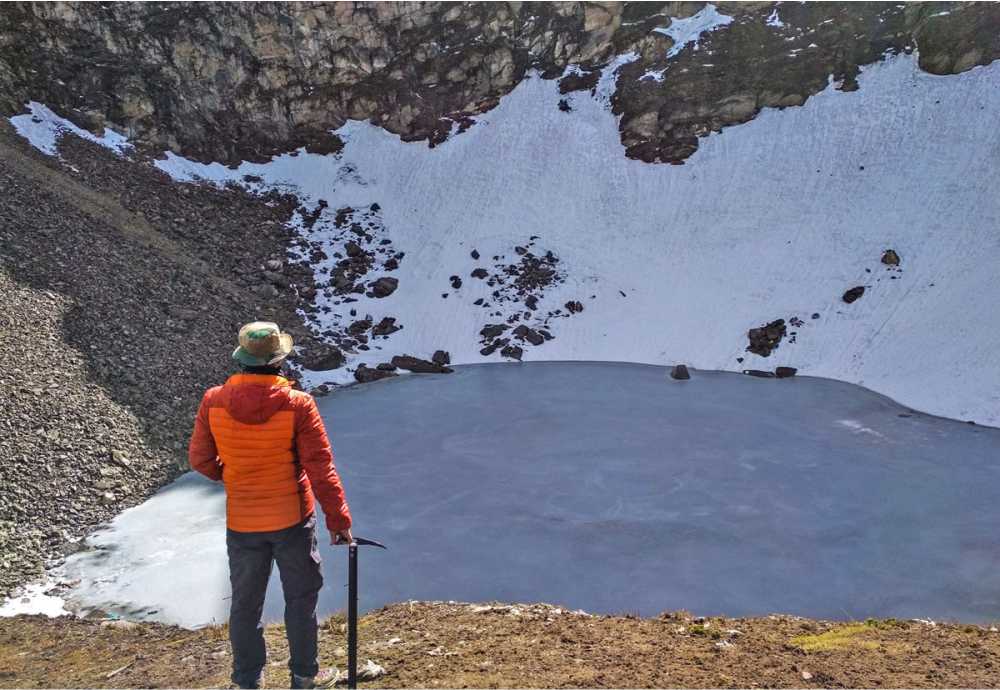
(854, 294)
(363, 374)
(680, 373)
(785, 372)
(383, 287)
(419, 366)
(765, 339)
(890, 258)
(441, 357)
(759, 374)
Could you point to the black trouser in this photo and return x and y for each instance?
(251, 555)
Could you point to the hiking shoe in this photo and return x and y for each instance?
(326, 678)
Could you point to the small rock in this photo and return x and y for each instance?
(785, 372)
(890, 257)
(759, 374)
(441, 357)
(680, 373)
(475, 254)
(419, 366)
(383, 287)
(365, 375)
(574, 307)
(854, 294)
(512, 352)
(480, 273)
(118, 457)
(491, 331)
(386, 326)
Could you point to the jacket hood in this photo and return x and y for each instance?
(254, 398)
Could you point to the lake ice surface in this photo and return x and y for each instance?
(612, 488)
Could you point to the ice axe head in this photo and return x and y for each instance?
(361, 541)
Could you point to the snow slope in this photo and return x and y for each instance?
(772, 219)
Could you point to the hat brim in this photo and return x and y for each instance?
(284, 349)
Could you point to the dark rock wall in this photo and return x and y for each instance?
(230, 81)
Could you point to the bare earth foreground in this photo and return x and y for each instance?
(462, 645)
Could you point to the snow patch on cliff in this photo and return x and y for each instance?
(688, 30)
(43, 128)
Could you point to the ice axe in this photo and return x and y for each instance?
(352, 607)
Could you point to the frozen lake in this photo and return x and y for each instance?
(612, 488)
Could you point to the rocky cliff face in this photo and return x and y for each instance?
(230, 81)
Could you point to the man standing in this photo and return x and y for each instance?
(267, 444)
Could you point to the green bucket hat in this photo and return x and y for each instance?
(262, 344)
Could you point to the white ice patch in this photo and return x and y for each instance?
(34, 600)
(43, 128)
(859, 428)
(690, 29)
(773, 19)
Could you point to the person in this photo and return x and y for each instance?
(267, 444)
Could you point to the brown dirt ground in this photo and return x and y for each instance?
(472, 646)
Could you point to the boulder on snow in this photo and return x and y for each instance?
(766, 338)
(680, 372)
(365, 375)
(493, 330)
(785, 372)
(419, 366)
(890, 257)
(386, 326)
(441, 357)
(512, 352)
(524, 332)
(854, 294)
(383, 287)
(479, 273)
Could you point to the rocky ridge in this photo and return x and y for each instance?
(228, 82)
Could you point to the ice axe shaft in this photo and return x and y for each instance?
(352, 607)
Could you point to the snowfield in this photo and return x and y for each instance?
(773, 219)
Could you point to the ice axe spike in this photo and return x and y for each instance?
(352, 606)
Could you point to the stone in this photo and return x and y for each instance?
(512, 352)
(383, 287)
(474, 254)
(574, 307)
(530, 335)
(419, 366)
(119, 458)
(353, 249)
(386, 326)
(363, 374)
(890, 258)
(386, 366)
(480, 273)
(441, 358)
(323, 357)
(491, 331)
(785, 372)
(765, 339)
(680, 372)
(759, 374)
(853, 294)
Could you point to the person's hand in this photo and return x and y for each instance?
(342, 538)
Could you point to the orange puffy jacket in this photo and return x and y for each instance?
(266, 442)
